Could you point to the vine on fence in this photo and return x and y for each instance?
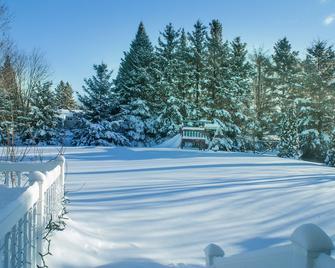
(53, 225)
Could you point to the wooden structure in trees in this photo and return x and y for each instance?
(199, 134)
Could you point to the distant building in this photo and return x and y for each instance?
(68, 118)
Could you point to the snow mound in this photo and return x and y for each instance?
(174, 142)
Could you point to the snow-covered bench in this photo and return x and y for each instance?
(23, 220)
(310, 247)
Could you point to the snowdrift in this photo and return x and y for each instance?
(173, 142)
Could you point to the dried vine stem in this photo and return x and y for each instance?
(53, 225)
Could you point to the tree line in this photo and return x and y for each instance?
(259, 97)
(29, 104)
(200, 75)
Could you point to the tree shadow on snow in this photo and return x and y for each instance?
(127, 153)
(261, 242)
(144, 263)
(173, 168)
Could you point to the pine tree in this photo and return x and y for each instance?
(287, 71)
(170, 116)
(183, 76)
(64, 96)
(217, 74)
(13, 113)
(6, 118)
(99, 101)
(262, 95)
(289, 145)
(330, 158)
(9, 84)
(240, 87)
(198, 58)
(136, 85)
(317, 123)
(42, 116)
(100, 124)
(286, 87)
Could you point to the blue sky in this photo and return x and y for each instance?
(75, 34)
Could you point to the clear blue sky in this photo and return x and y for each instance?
(75, 34)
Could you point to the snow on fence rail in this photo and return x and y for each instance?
(310, 248)
(23, 221)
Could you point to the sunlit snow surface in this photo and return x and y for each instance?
(158, 208)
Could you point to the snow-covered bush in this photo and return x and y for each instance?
(39, 125)
(330, 157)
(288, 145)
(104, 133)
(313, 146)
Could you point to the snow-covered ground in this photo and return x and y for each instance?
(7, 195)
(158, 207)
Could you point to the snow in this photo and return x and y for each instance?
(312, 238)
(160, 207)
(174, 142)
(7, 195)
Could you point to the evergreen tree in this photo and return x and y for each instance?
(317, 123)
(262, 95)
(286, 87)
(287, 72)
(99, 101)
(198, 58)
(42, 116)
(64, 96)
(6, 118)
(240, 87)
(9, 84)
(100, 124)
(288, 145)
(217, 74)
(136, 85)
(217, 101)
(183, 76)
(170, 116)
(13, 112)
(330, 158)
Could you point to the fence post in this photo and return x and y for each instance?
(61, 160)
(39, 177)
(310, 241)
(212, 251)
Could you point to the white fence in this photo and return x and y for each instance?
(23, 221)
(310, 248)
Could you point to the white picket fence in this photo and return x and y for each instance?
(310, 247)
(23, 221)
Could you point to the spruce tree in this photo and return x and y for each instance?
(64, 96)
(136, 85)
(318, 105)
(15, 116)
(169, 116)
(286, 87)
(217, 94)
(6, 118)
(100, 124)
(9, 84)
(330, 157)
(217, 74)
(289, 144)
(183, 76)
(262, 106)
(240, 87)
(198, 58)
(286, 67)
(99, 101)
(42, 116)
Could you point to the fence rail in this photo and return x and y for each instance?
(310, 248)
(23, 220)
